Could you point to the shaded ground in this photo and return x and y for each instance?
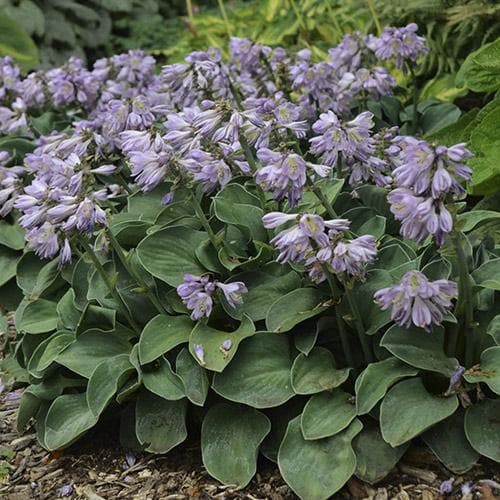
(95, 468)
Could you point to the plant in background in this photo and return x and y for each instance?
(260, 236)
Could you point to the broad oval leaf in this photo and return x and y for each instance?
(293, 308)
(193, 376)
(326, 414)
(170, 253)
(161, 380)
(160, 425)
(105, 382)
(316, 372)
(375, 380)
(219, 347)
(162, 334)
(315, 470)
(263, 290)
(39, 316)
(482, 428)
(47, 351)
(488, 274)
(419, 349)
(449, 443)
(67, 419)
(259, 375)
(374, 457)
(488, 371)
(403, 403)
(230, 440)
(90, 349)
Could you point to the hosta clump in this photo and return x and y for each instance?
(245, 236)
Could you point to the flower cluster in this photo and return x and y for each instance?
(417, 300)
(402, 45)
(321, 245)
(197, 294)
(425, 175)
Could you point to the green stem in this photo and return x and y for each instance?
(189, 8)
(204, 222)
(363, 338)
(376, 20)
(465, 306)
(132, 272)
(322, 198)
(111, 287)
(415, 100)
(344, 339)
(223, 12)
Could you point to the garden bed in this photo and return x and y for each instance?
(96, 468)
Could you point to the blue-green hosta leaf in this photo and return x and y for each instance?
(263, 290)
(419, 349)
(162, 334)
(246, 217)
(96, 317)
(160, 425)
(46, 353)
(315, 470)
(90, 349)
(170, 253)
(8, 264)
(327, 414)
(488, 370)
(105, 382)
(482, 428)
(449, 443)
(161, 380)
(375, 380)
(219, 347)
(230, 440)
(69, 315)
(295, 307)
(373, 317)
(374, 457)
(259, 375)
(11, 235)
(34, 276)
(488, 274)
(470, 220)
(67, 419)
(494, 329)
(408, 410)
(39, 316)
(193, 376)
(316, 372)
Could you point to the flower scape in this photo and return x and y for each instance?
(255, 244)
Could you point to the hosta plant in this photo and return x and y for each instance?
(264, 248)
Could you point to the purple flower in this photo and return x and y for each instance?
(233, 292)
(199, 353)
(417, 300)
(466, 488)
(446, 487)
(400, 44)
(196, 293)
(130, 458)
(283, 174)
(351, 256)
(226, 345)
(66, 490)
